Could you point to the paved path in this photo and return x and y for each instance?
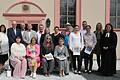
(71, 76)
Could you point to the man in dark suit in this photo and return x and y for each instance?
(12, 33)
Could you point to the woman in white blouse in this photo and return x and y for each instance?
(75, 45)
(4, 47)
(17, 58)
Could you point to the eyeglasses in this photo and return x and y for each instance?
(48, 38)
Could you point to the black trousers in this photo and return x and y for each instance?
(70, 59)
(74, 58)
(99, 61)
(81, 58)
(88, 61)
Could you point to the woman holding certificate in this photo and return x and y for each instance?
(61, 54)
(75, 45)
(47, 55)
(90, 42)
(33, 56)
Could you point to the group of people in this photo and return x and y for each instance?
(61, 49)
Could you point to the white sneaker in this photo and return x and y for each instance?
(75, 71)
(85, 71)
(89, 71)
(34, 75)
(63, 74)
(31, 74)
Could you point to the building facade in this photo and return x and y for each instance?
(60, 12)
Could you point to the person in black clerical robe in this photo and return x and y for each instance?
(108, 48)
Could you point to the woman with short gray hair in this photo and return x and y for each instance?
(61, 54)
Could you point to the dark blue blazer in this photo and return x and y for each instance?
(11, 35)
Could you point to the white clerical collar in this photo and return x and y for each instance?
(107, 35)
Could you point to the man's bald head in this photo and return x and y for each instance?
(14, 24)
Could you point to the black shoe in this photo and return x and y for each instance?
(66, 73)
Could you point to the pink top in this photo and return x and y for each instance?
(34, 50)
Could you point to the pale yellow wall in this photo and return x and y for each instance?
(93, 11)
(46, 5)
(4, 4)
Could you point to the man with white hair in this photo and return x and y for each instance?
(12, 32)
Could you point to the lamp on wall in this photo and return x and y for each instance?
(48, 22)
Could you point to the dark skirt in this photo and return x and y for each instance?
(108, 63)
(3, 58)
(97, 49)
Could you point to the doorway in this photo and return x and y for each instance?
(35, 27)
(19, 26)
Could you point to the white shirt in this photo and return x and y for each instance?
(82, 31)
(75, 40)
(29, 34)
(4, 43)
(18, 50)
(38, 37)
(22, 32)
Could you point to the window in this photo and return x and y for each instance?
(67, 12)
(115, 13)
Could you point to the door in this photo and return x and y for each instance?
(35, 27)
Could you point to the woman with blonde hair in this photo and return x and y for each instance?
(47, 55)
(97, 50)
